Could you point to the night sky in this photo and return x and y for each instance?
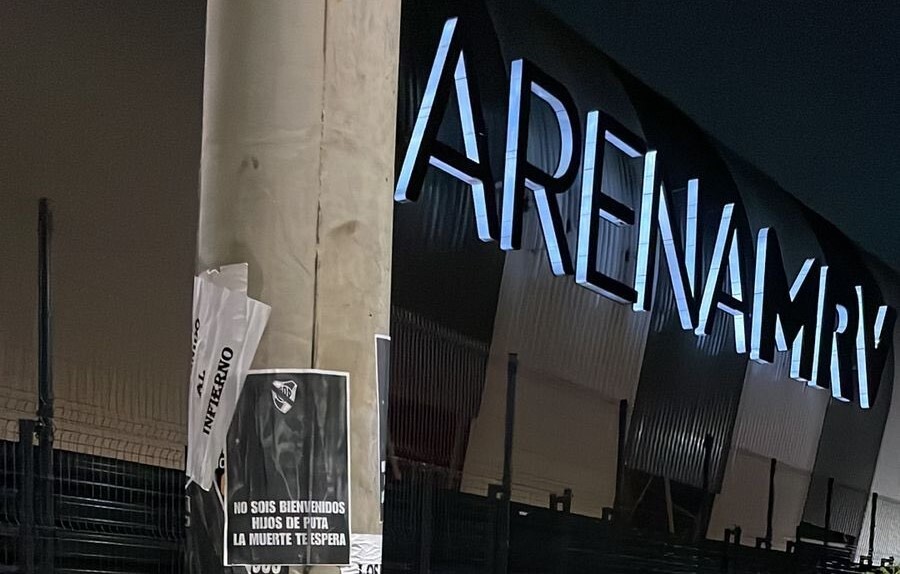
(807, 91)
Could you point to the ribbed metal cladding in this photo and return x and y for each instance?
(690, 386)
(887, 529)
(437, 378)
(848, 505)
(557, 327)
(686, 391)
(779, 417)
(851, 436)
(440, 269)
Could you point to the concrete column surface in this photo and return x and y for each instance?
(297, 172)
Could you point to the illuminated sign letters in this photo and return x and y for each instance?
(838, 336)
(781, 315)
(473, 168)
(596, 205)
(520, 174)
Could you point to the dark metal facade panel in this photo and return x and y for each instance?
(851, 437)
(690, 386)
(440, 270)
(686, 391)
(437, 381)
(778, 417)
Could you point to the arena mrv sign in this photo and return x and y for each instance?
(838, 338)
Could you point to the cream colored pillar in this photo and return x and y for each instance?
(297, 171)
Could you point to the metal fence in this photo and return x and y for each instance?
(430, 528)
(84, 513)
(89, 514)
(432, 525)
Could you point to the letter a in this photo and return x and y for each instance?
(473, 168)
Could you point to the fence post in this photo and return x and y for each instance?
(426, 522)
(872, 514)
(25, 455)
(47, 522)
(620, 461)
(501, 548)
(700, 523)
(828, 497)
(770, 512)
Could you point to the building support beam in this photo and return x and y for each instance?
(297, 173)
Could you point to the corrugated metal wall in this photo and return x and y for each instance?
(778, 417)
(851, 437)
(579, 353)
(690, 386)
(886, 480)
(437, 380)
(440, 270)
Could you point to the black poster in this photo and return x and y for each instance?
(288, 470)
(204, 532)
(383, 376)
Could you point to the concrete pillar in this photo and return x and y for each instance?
(297, 171)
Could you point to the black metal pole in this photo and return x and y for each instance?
(620, 460)
(45, 358)
(700, 523)
(770, 512)
(872, 516)
(426, 521)
(26, 497)
(707, 461)
(45, 388)
(828, 510)
(512, 370)
(501, 556)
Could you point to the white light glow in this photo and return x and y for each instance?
(726, 239)
(820, 312)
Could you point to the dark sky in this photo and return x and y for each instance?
(100, 107)
(808, 91)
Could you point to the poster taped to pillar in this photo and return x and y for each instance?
(383, 376)
(226, 330)
(288, 470)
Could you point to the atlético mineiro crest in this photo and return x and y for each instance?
(283, 395)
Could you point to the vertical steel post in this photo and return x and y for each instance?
(770, 512)
(426, 522)
(45, 389)
(700, 523)
(872, 517)
(26, 496)
(620, 460)
(501, 555)
(45, 364)
(707, 461)
(828, 498)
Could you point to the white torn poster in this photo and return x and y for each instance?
(226, 329)
(365, 554)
